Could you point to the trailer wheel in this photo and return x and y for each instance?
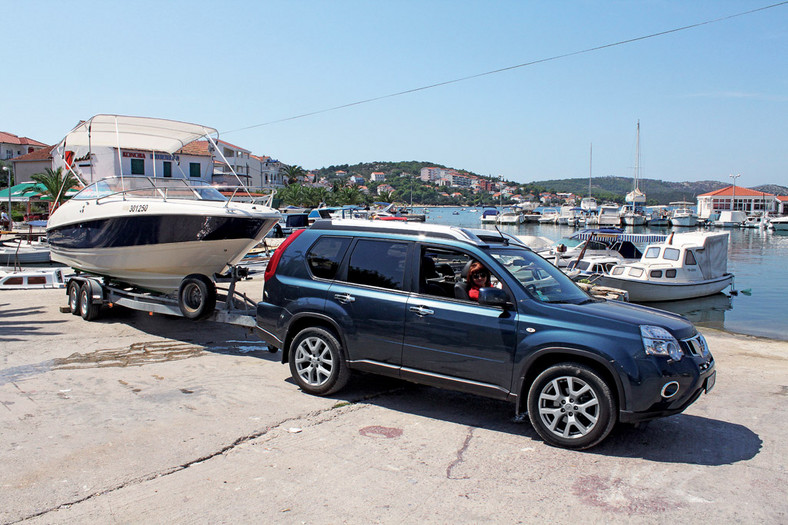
(196, 297)
(73, 297)
(87, 309)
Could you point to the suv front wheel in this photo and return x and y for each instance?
(317, 363)
(571, 406)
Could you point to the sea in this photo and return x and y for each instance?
(756, 306)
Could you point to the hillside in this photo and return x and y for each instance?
(603, 188)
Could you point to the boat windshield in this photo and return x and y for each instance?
(146, 187)
(540, 279)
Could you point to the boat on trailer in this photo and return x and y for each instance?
(164, 235)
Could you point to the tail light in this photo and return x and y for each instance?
(270, 269)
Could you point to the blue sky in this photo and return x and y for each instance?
(712, 101)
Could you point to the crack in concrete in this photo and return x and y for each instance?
(240, 441)
(460, 454)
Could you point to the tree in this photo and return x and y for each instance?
(56, 184)
(293, 172)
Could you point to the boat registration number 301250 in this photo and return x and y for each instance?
(137, 208)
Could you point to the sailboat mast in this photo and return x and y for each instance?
(590, 163)
(637, 156)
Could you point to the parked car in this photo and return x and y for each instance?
(396, 299)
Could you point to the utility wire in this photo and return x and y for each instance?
(509, 68)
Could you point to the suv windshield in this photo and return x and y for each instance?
(543, 281)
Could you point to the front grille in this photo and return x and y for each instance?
(696, 346)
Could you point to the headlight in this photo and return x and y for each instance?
(658, 341)
(704, 346)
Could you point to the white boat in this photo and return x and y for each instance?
(489, 216)
(756, 221)
(32, 279)
(658, 216)
(151, 232)
(608, 216)
(607, 243)
(20, 252)
(729, 219)
(549, 216)
(682, 215)
(632, 213)
(510, 217)
(779, 223)
(684, 266)
(589, 204)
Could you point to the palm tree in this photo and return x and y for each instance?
(56, 184)
(293, 172)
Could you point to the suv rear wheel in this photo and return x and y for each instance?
(317, 363)
(571, 406)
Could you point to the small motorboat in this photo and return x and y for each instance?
(32, 279)
(684, 266)
(150, 232)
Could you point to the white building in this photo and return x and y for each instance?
(12, 146)
(738, 198)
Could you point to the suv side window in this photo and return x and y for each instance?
(378, 263)
(325, 256)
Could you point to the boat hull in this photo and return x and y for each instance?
(641, 291)
(154, 250)
(684, 222)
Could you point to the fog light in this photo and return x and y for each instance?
(670, 389)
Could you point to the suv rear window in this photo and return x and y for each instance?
(325, 256)
(378, 263)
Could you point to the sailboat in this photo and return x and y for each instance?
(632, 212)
(589, 204)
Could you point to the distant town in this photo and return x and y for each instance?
(410, 182)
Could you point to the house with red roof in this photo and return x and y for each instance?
(12, 146)
(735, 198)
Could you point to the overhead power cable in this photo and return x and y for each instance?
(509, 68)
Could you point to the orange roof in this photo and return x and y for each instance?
(198, 147)
(782, 198)
(231, 145)
(740, 192)
(39, 154)
(10, 138)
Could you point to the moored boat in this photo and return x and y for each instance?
(684, 266)
(682, 215)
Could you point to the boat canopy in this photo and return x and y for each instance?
(619, 235)
(710, 250)
(143, 133)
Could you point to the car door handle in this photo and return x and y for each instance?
(421, 311)
(344, 298)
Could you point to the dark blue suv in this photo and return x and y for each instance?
(476, 311)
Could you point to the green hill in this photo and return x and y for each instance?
(602, 188)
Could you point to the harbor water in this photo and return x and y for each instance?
(757, 258)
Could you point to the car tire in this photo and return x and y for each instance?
(197, 297)
(570, 405)
(317, 362)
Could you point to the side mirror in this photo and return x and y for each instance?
(494, 297)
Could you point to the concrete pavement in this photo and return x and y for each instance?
(136, 418)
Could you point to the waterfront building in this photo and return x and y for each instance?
(738, 198)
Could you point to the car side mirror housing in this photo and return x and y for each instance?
(494, 297)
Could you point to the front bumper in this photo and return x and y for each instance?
(692, 375)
